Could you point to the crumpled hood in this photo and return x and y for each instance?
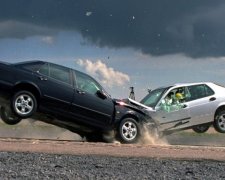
(142, 106)
(132, 104)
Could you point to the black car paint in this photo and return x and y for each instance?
(65, 102)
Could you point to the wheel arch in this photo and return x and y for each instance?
(219, 125)
(129, 115)
(28, 86)
(219, 109)
(133, 116)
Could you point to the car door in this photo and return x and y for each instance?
(201, 104)
(89, 102)
(56, 87)
(172, 116)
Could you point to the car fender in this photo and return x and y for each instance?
(23, 84)
(122, 111)
(221, 106)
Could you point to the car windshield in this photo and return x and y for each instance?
(153, 97)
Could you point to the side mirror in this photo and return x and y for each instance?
(101, 94)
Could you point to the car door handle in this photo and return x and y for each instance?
(212, 99)
(43, 78)
(80, 92)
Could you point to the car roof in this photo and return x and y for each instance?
(39, 61)
(183, 84)
(190, 84)
(28, 62)
(42, 61)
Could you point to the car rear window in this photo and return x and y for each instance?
(199, 91)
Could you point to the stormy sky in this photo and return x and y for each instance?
(136, 38)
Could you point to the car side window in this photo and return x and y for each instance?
(86, 83)
(59, 73)
(174, 99)
(209, 91)
(31, 66)
(199, 91)
(44, 69)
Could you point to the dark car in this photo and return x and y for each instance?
(67, 98)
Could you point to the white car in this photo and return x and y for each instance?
(186, 106)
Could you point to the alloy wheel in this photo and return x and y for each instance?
(221, 122)
(24, 104)
(129, 130)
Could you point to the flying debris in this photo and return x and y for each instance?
(88, 13)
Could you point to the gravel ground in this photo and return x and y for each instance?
(49, 166)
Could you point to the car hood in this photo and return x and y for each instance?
(132, 104)
(140, 105)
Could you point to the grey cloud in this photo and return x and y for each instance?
(157, 27)
(21, 30)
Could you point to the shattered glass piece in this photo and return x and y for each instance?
(88, 13)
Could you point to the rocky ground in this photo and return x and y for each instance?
(49, 166)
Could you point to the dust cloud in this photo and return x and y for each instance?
(33, 129)
(150, 138)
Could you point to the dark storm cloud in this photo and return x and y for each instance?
(194, 27)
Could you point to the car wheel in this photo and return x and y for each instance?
(129, 131)
(219, 122)
(24, 104)
(8, 116)
(201, 128)
(109, 136)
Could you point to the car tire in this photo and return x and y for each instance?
(109, 136)
(201, 128)
(219, 122)
(129, 131)
(8, 116)
(24, 104)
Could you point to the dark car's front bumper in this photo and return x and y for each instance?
(124, 110)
